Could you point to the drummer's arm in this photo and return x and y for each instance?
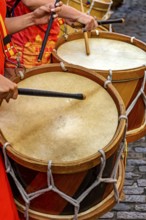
(40, 15)
(73, 15)
(16, 24)
(70, 14)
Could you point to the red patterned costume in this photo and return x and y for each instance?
(29, 41)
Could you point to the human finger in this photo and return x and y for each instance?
(13, 92)
(8, 96)
(1, 100)
(56, 10)
(91, 25)
(59, 4)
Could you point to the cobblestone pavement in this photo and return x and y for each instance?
(134, 204)
(134, 13)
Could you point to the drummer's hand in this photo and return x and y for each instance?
(8, 89)
(89, 22)
(84, 21)
(41, 15)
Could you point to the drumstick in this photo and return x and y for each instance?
(46, 35)
(111, 21)
(100, 22)
(46, 93)
(85, 33)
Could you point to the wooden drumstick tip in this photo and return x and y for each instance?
(123, 20)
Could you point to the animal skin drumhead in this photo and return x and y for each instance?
(59, 129)
(105, 54)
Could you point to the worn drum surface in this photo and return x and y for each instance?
(57, 146)
(120, 57)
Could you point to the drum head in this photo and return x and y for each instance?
(105, 54)
(59, 129)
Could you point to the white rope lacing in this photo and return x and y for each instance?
(109, 79)
(63, 67)
(132, 39)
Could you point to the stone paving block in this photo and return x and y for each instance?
(135, 198)
(131, 215)
(141, 182)
(123, 207)
(135, 155)
(132, 175)
(129, 168)
(142, 169)
(128, 182)
(140, 207)
(133, 190)
(108, 215)
(140, 149)
(136, 162)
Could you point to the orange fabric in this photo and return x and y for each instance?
(6, 49)
(29, 41)
(7, 207)
(2, 14)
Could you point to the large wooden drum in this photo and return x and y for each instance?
(63, 154)
(121, 59)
